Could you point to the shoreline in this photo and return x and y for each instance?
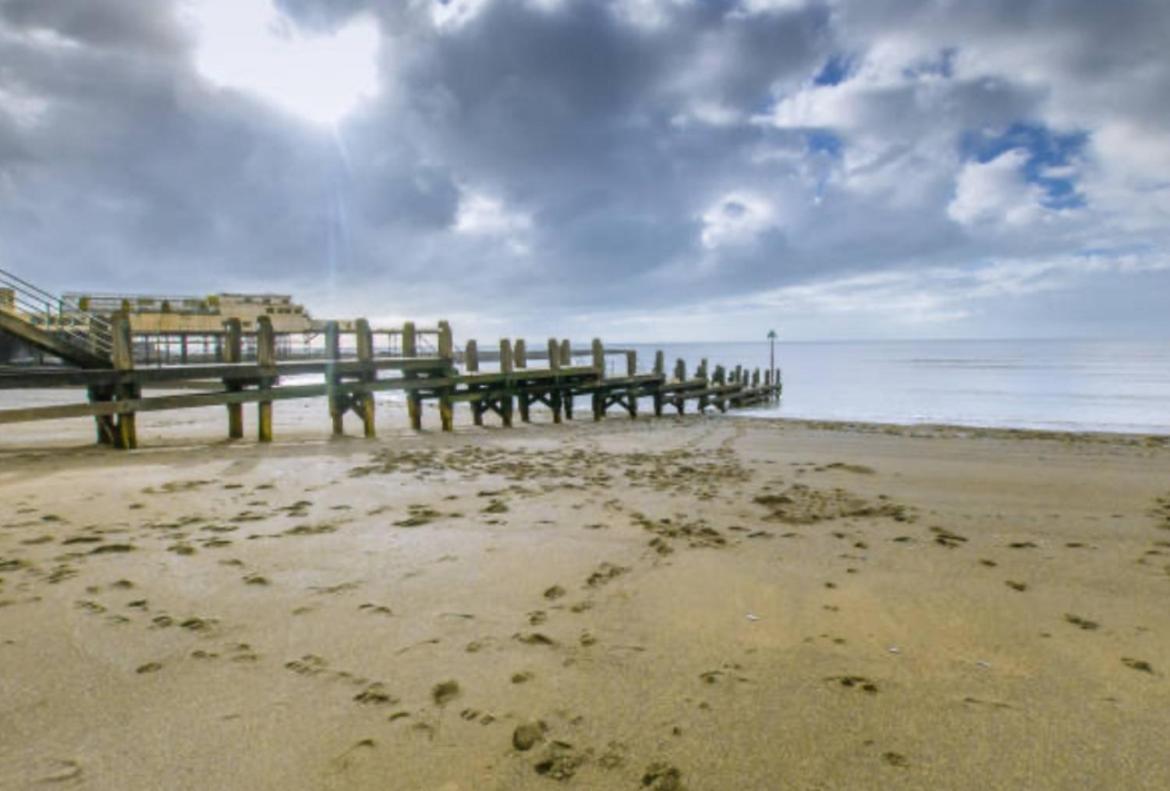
(302, 427)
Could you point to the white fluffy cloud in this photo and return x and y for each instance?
(737, 218)
(996, 192)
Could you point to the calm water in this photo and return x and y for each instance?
(1067, 385)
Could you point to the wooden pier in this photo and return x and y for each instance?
(423, 371)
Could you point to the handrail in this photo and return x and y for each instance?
(34, 305)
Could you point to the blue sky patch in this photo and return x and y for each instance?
(1047, 150)
(821, 141)
(836, 69)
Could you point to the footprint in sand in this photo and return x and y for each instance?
(1138, 664)
(444, 692)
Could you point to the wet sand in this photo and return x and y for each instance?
(700, 603)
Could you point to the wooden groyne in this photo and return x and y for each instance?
(422, 370)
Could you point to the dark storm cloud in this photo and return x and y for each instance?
(621, 159)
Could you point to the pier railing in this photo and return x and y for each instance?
(352, 374)
(53, 323)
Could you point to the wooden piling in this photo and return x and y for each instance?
(123, 359)
(659, 370)
(599, 372)
(337, 400)
(632, 371)
(471, 365)
(506, 368)
(701, 373)
(266, 359)
(567, 362)
(413, 399)
(554, 364)
(364, 402)
(233, 352)
(520, 361)
(447, 354)
(471, 357)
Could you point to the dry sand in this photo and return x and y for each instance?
(701, 603)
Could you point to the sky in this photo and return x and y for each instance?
(636, 169)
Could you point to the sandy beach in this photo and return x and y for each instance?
(697, 602)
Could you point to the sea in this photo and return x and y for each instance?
(1060, 385)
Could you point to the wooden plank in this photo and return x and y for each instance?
(40, 379)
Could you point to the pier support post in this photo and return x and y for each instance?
(233, 352)
(701, 373)
(266, 359)
(632, 392)
(720, 379)
(471, 365)
(123, 358)
(554, 365)
(567, 393)
(680, 374)
(364, 402)
(333, 378)
(413, 399)
(660, 371)
(104, 424)
(447, 354)
(520, 361)
(599, 372)
(506, 369)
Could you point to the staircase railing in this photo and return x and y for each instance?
(55, 315)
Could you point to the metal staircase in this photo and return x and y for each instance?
(53, 324)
